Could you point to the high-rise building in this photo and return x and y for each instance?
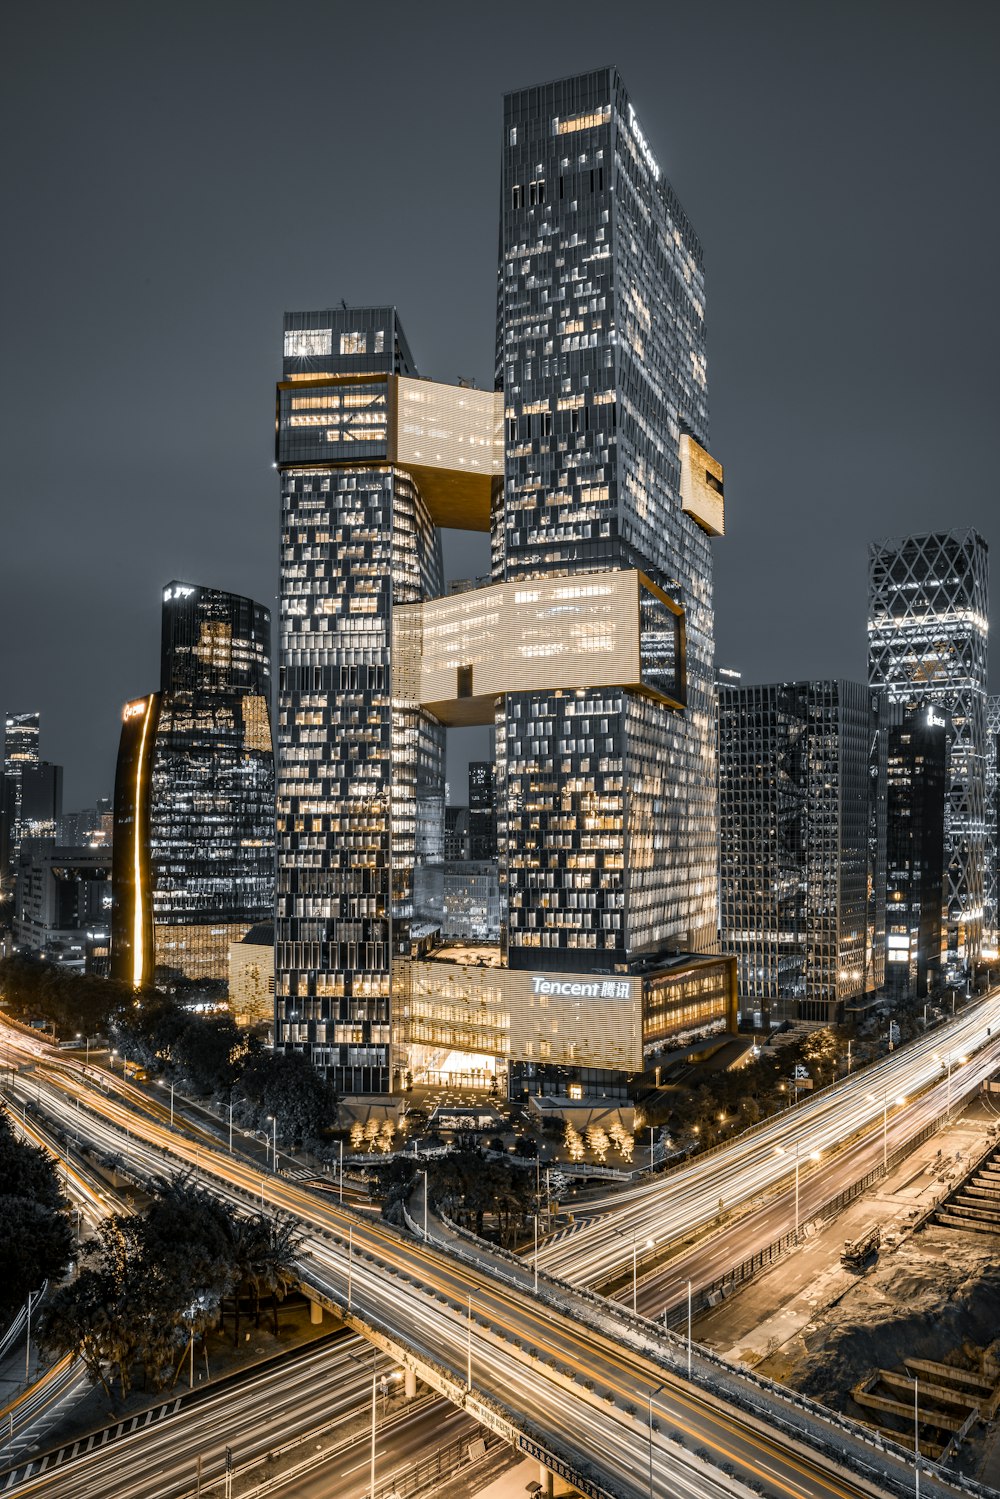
(62, 907)
(20, 750)
(482, 810)
(991, 920)
(194, 794)
(794, 763)
(927, 636)
(590, 651)
(915, 787)
(41, 800)
(602, 357)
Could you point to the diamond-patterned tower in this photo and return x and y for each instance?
(927, 635)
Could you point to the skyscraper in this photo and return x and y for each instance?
(607, 799)
(41, 799)
(991, 923)
(794, 772)
(927, 637)
(915, 801)
(194, 794)
(589, 651)
(20, 750)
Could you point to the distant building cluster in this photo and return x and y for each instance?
(831, 790)
(654, 850)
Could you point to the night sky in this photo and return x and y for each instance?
(176, 175)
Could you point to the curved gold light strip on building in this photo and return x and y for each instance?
(138, 904)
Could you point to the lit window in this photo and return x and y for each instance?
(301, 343)
(353, 343)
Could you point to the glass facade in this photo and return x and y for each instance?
(915, 788)
(194, 794)
(361, 781)
(20, 750)
(794, 844)
(608, 801)
(212, 792)
(991, 922)
(590, 651)
(927, 636)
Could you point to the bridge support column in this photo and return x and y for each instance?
(546, 1480)
(315, 1313)
(409, 1383)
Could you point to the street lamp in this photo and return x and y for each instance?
(423, 1173)
(813, 1156)
(385, 1389)
(689, 1329)
(899, 1100)
(274, 1142)
(635, 1275)
(947, 1063)
(536, 1254)
(652, 1396)
(165, 1084)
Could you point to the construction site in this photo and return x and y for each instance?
(891, 1311)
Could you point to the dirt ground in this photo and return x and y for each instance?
(932, 1294)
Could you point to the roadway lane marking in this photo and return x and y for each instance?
(367, 1463)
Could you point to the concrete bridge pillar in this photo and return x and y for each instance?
(546, 1480)
(409, 1383)
(315, 1313)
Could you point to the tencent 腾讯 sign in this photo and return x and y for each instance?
(571, 988)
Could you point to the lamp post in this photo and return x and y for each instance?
(536, 1254)
(374, 1387)
(423, 1173)
(340, 1175)
(635, 1269)
(689, 1329)
(652, 1396)
(468, 1348)
(274, 1142)
(899, 1100)
(350, 1263)
(813, 1156)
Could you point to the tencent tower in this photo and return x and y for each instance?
(589, 650)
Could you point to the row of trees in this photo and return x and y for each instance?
(70, 1002)
(210, 1056)
(468, 1188)
(36, 1243)
(154, 1282)
(206, 1054)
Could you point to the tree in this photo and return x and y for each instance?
(287, 1088)
(36, 1244)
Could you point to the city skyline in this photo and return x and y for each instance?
(843, 365)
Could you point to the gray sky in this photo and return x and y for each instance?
(177, 174)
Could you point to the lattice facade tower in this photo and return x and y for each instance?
(927, 639)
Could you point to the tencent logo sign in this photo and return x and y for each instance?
(566, 988)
